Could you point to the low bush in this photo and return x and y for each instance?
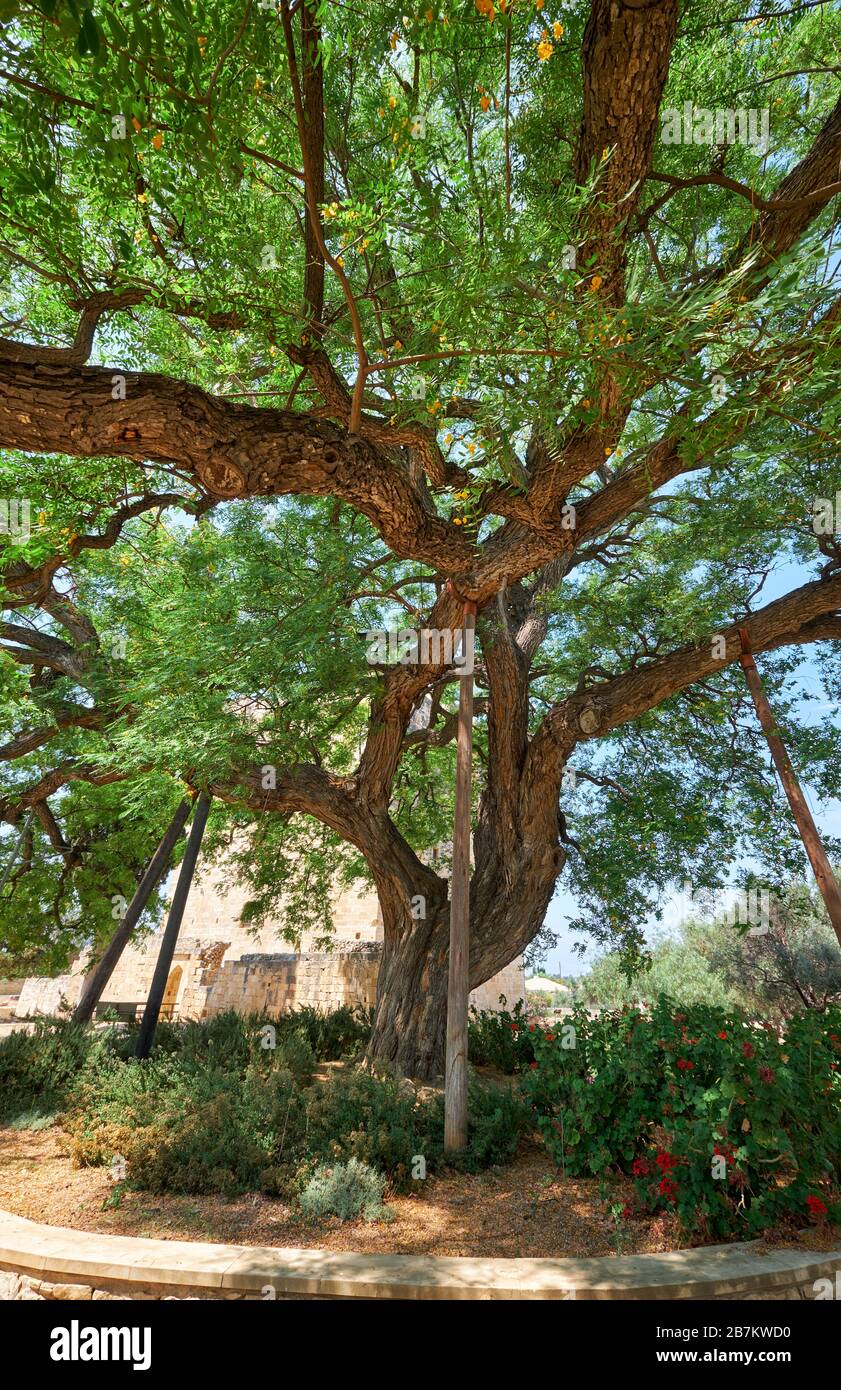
(39, 1068)
(216, 1109)
(229, 1041)
(347, 1190)
(379, 1120)
(499, 1038)
(228, 1105)
(342, 1034)
(733, 1126)
(498, 1118)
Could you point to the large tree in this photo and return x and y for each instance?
(494, 305)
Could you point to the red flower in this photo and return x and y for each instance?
(723, 1037)
(683, 1065)
(639, 1168)
(626, 1212)
(767, 1075)
(748, 1050)
(550, 1037)
(665, 1161)
(668, 1189)
(816, 1206)
(532, 1066)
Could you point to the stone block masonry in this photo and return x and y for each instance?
(221, 964)
(272, 984)
(56, 1263)
(205, 982)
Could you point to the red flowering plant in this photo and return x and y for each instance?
(733, 1127)
(501, 1038)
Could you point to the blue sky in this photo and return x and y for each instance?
(563, 960)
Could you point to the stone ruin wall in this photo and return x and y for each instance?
(219, 964)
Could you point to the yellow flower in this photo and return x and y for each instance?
(585, 404)
(485, 103)
(258, 84)
(381, 112)
(340, 262)
(558, 30)
(393, 40)
(486, 7)
(448, 439)
(392, 101)
(545, 50)
(596, 283)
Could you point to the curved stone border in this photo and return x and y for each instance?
(52, 1260)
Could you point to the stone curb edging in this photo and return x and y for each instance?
(192, 1267)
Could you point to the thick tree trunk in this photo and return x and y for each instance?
(518, 858)
(410, 1018)
(508, 908)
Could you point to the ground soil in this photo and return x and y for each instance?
(524, 1209)
(520, 1210)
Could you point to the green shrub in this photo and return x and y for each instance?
(500, 1039)
(39, 1068)
(343, 1033)
(730, 1125)
(347, 1190)
(377, 1120)
(33, 1120)
(229, 1105)
(232, 1040)
(184, 1129)
(498, 1117)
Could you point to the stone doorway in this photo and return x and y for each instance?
(170, 998)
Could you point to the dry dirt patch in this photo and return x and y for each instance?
(519, 1210)
(524, 1209)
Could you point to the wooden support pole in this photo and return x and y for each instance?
(821, 867)
(146, 1035)
(455, 1077)
(99, 976)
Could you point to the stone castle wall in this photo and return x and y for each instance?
(203, 982)
(220, 964)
